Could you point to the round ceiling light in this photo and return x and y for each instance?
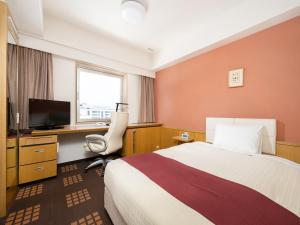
(133, 11)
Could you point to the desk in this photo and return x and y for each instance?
(87, 128)
(72, 138)
(38, 157)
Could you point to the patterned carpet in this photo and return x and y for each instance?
(72, 198)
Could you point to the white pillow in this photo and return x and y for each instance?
(239, 138)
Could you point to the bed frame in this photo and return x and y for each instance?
(269, 147)
(111, 209)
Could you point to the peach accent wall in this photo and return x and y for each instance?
(190, 91)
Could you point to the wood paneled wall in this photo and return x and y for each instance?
(167, 134)
(288, 151)
(3, 105)
(141, 140)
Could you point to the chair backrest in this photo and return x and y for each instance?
(114, 135)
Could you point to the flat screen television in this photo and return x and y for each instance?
(48, 114)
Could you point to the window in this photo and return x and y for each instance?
(97, 94)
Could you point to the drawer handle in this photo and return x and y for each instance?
(39, 151)
(39, 168)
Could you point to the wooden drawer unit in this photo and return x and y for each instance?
(11, 142)
(11, 177)
(11, 163)
(37, 171)
(37, 153)
(11, 157)
(26, 141)
(37, 158)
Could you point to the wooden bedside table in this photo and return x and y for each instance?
(180, 140)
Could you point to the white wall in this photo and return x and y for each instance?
(234, 24)
(71, 148)
(80, 55)
(134, 96)
(72, 36)
(64, 82)
(69, 41)
(64, 85)
(67, 48)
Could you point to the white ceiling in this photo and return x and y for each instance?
(28, 17)
(175, 29)
(164, 20)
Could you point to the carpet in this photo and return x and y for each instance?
(71, 198)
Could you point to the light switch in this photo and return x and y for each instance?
(236, 78)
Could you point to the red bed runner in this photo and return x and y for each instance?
(221, 201)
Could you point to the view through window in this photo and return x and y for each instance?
(97, 94)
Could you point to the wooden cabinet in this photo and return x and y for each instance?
(37, 171)
(37, 153)
(11, 177)
(39, 140)
(11, 157)
(128, 142)
(37, 158)
(147, 140)
(11, 170)
(141, 140)
(11, 163)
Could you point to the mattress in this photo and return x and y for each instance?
(141, 201)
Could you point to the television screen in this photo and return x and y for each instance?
(47, 114)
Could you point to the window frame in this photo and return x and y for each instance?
(106, 72)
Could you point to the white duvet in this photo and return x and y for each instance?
(141, 201)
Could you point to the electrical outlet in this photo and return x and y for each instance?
(236, 78)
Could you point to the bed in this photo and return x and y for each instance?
(133, 197)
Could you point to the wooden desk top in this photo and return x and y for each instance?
(87, 128)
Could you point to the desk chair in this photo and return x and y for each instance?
(108, 144)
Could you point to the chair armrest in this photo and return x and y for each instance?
(94, 138)
(96, 143)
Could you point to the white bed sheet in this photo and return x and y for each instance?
(141, 201)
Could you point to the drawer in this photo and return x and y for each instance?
(25, 141)
(11, 177)
(37, 171)
(11, 157)
(11, 142)
(37, 153)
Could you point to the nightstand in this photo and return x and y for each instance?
(180, 140)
